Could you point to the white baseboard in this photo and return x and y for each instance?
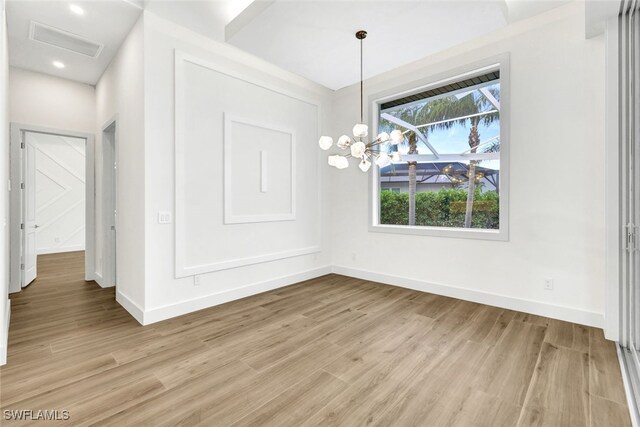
(559, 312)
(128, 304)
(100, 281)
(59, 250)
(184, 307)
(4, 334)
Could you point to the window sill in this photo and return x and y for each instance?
(499, 235)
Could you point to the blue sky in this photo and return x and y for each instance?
(455, 140)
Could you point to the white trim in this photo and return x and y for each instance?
(172, 310)
(128, 304)
(241, 262)
(15, 211)
(16, 162)
(229, 216)
(465, 233)
(4, 334)
(60, 249)
(181, 267)
(500, 62)
(569, 314)
(612, 190)
(628, 391)
(100, 281)
(108, 261)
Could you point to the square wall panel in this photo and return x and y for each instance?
(259, 171)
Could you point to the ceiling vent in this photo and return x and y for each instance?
(64, 40)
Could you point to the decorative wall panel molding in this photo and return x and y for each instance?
(259, 172)
(245, 165)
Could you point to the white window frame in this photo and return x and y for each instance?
(501, 63)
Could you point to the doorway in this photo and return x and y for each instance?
(109, 209)
(52, 199)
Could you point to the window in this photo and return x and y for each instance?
(450, 179)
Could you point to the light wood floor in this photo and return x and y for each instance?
(330, 351)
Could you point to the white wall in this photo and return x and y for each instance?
(557, 181)
(60, 192)
(47, 101)
(120, 95)
(167, 296)
(4, 194)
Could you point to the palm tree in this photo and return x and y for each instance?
(450, 108)
(408, 115)
(445, 110)
(474, 141)
(413, 149)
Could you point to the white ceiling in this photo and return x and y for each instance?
(316, 38)
(312, 38)
(105, 22)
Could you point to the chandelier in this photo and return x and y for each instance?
(359, 148)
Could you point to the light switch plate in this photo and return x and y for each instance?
(164, 217)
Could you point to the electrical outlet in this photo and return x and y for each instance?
(56, 239)
(353, 256)
(164, 217)
(196, 280)
(548, 283)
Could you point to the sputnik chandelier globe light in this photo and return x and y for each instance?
(359, 148)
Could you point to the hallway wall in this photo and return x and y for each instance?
(4, 193)
(42, 100)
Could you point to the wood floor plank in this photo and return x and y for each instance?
(332, 350)
(607, 413)
(110, 401)
(19, 386)
(248, 396)
(298, 403)
(508, 370)
(559, 390)
(286, 344)
(370, 396)
(91, 386)
(432, 305)
(569, 335)
(605, 376)
(363, 356)
(439, 395)
(185, 400)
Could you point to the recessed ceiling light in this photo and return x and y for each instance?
(76, 9)
(58, 64)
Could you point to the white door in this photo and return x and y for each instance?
(29, 247)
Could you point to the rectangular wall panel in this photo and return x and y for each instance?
(246, 165)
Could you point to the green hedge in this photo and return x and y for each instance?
(444, 208)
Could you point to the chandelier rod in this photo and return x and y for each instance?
(360, 35)
(361, 86)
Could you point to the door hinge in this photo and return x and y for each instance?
(22, 145)
(22, 185)
(22, 226)
(21, 266)
(632, 237)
